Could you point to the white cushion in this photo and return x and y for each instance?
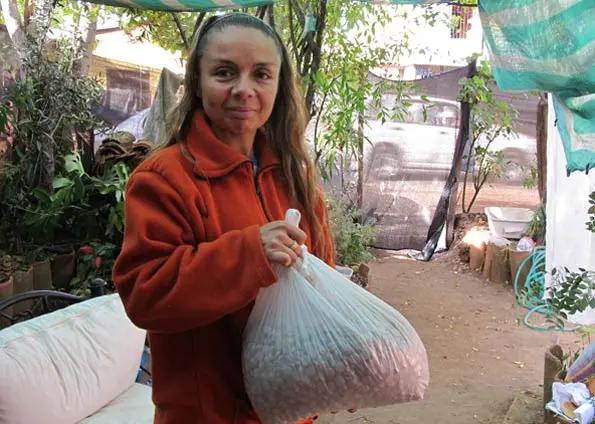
(62, 367)
(134, 406)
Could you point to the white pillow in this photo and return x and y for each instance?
(134, 406)
(64, 366)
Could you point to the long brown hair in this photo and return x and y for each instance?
(284, 130)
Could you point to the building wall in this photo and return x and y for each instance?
(117, 50)
(568, 243)
(101, 65)
(438, 46)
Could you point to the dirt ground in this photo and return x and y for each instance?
(480, 356)
(503, 194)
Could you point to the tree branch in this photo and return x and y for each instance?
(317, 151)
(293, 39)
(271, 15)
(181, 30)
(466, 177)
(41, 20)
(260, 12)
(14, 26)
(88, 28)
(316, 48)
(198, 23)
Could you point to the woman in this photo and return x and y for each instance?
(204, 219)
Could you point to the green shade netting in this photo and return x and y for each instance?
(549, 45)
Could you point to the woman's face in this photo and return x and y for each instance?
(239, 79)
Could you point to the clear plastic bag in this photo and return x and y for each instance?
(316, 342)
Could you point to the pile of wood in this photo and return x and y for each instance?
(496, 257)
(121, 147)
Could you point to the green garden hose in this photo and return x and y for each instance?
(531, 295)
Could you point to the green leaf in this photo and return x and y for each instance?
(61, 182)
(79, 190)
(61, 197)
(72, 163)
(42, 195)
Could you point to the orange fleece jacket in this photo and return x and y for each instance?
(191, 265)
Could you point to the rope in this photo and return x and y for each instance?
(532, 293)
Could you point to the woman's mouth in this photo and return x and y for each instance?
(241, 112)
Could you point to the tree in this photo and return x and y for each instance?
(491, 118)
(172, 31)
(15, 26)
(29, 20)
(35, 21)
(335, 45)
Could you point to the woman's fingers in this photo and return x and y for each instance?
(291, 254)
(278, 257)
(282, 242)
(292, 244)
(295, 233)
(284, 255)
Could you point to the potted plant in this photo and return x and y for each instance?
(95, 260)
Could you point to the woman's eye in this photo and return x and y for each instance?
(223, 73)
(263, 75)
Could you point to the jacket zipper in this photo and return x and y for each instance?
(256, 185)
(259, 191)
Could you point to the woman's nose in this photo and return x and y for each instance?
(244, 86)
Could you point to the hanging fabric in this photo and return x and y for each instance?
(549, 45)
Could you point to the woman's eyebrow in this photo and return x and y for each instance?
(228, 62)
(222, 61)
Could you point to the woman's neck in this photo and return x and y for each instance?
(243, 143)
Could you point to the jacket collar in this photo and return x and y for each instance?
(213, 158)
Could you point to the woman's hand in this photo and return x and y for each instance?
(282, 242)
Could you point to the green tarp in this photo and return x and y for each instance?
(184, 5)
(408, 1)
(549, 45)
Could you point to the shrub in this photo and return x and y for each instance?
(352, 239)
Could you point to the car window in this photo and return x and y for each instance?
(436, 113)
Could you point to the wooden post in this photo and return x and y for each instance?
(554, 358)
(500, 272)
(541, 139)
(489, 259)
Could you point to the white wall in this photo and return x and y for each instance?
(431, 44)
(568, 243)
(119, 46)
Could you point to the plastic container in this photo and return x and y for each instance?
(510, 223)
(346, 271)
(526, 244)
